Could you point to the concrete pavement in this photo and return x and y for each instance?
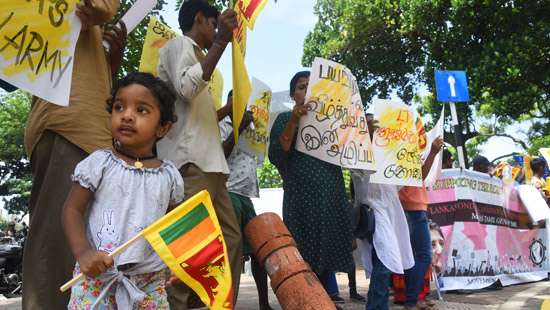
(524, 296)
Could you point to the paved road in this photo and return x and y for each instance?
(525, 296)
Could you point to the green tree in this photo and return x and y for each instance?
(15, 171)
(268, 176)
(395, 45)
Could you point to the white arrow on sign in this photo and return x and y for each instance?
(451, 81)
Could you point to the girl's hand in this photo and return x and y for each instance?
(173, 280)
(93, 263)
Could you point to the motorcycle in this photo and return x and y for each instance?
(11, 263)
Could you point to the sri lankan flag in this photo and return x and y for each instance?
(247, 12)
(189, 240)
(422, 138)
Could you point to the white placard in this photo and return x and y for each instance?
(335, 129)
(37, 46)
(534, 203)
(395, 145)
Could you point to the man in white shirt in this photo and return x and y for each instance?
(194, 143)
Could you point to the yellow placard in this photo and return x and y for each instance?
(254, 139)
(157, 35)
(396, 145)
(37, 45)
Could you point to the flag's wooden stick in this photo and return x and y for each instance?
(117, 251)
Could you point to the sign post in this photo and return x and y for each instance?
(452, 86)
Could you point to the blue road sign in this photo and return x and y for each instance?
(451, 86)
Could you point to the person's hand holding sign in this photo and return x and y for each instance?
(84, 12)
(116, 37)
(437, 145)
(298, 111)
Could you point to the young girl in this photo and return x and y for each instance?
(117, 193)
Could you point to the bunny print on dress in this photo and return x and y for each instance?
(107, 236)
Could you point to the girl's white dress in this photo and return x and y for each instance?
(126, 200)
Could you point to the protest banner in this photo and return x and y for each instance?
(158, 34)
(254, 140)
(335, 128)
(395, 144)
(247, 12)
(488, 233)
(37, 44)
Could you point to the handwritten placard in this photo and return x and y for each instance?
(396, 145)
(157, 35)
(254, 139)
(37, 44)
(335, 130)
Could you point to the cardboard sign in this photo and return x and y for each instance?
(157, 35)
(335, 129)
(254, 139)
(396, 147)
(37, 44)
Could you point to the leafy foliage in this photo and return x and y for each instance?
(268, 176)
(15, 171)
(395, 45)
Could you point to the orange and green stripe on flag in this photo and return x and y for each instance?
(182, 235)
(190, 241)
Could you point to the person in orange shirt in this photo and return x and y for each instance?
(415, 204)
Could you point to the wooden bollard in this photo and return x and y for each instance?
(294, 284)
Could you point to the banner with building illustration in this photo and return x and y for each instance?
(335, 129)
(396, 145)
(488, 233)
(254, 139)
(37, 45)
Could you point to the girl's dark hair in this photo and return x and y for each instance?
(294, 80)
(537, 164)
(156, 86)
(189, 10)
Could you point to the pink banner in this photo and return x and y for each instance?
(489, 236)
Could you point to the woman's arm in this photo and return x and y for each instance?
(91, 261)
(427, 166)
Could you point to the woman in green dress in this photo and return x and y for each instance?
(315, 207)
